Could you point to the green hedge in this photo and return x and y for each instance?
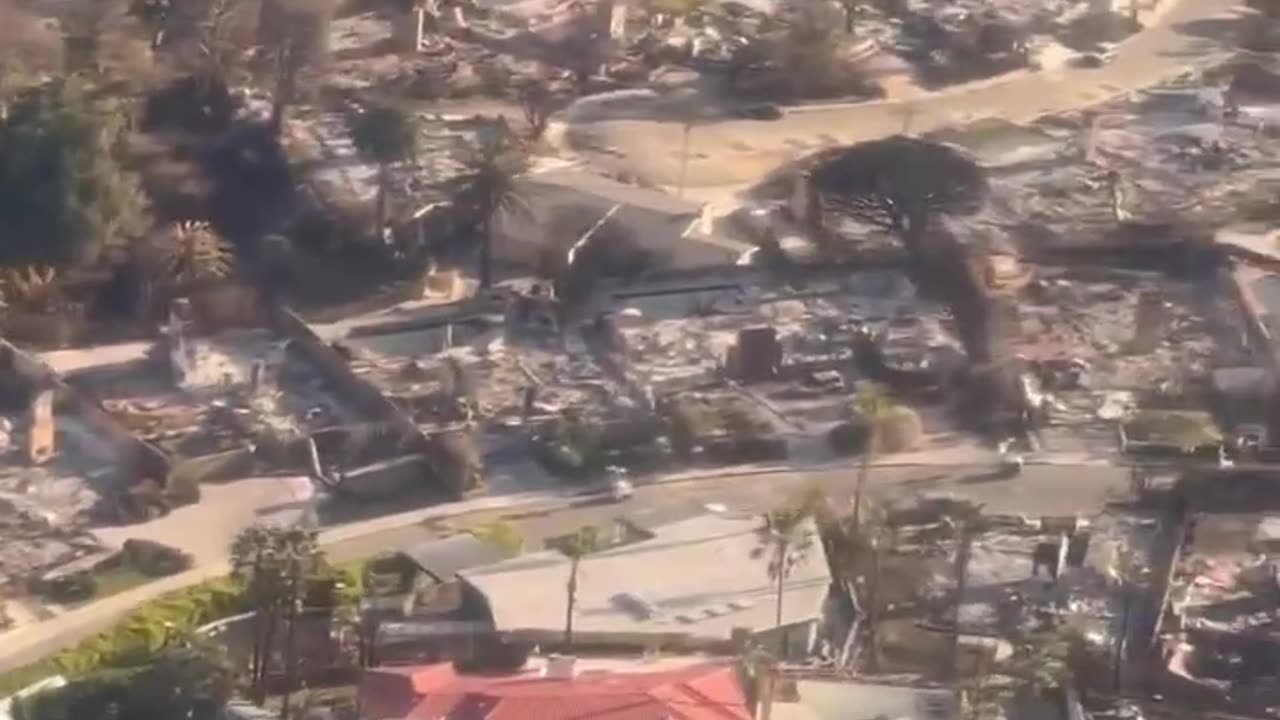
(139, 634)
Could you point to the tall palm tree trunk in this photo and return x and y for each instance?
(380, 213)
(572, 600)
(486, 249)
(777, 604)
(781, 578)
(290, 652)
(264, 666)
(964, 545)
(255, 656)
(873, 608)
(684, 157)
(864, 470)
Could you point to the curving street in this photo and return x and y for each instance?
(728, 154)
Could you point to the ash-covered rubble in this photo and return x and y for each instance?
(44, 517)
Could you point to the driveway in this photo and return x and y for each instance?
(729, 154)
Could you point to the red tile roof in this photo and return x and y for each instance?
(437, 692)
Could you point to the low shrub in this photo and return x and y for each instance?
(138, 635)
(155, 559)
(71, 588)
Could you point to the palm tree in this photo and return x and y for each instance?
(193, 253)
(255, 565)
(785, 538)
(274, 564)
(387, 135)
(585, 541)
(33, 288)
(494, 165)
(873, 404)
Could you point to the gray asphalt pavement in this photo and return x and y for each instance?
(1040, 490)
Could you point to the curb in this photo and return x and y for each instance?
(927, 97)
(87, 620)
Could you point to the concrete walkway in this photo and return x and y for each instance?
(729, 154)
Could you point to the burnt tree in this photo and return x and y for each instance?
(900, 184)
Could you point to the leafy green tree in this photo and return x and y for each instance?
(274, 565)
(387, 135)
(785, 538)
(63, 194)
(188, 678)
(494, 165)
(585, 541)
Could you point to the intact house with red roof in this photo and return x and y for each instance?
(559, 688)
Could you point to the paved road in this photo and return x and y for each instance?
(1048, 489)
(1041, 490)
(732, 153)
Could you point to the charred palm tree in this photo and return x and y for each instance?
(494, 164)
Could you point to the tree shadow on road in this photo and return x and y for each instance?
(1224, 31)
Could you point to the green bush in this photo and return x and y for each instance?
(138, 635)
(72, 588)
(155, 559)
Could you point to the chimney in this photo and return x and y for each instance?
(562, 667)
(805, 205)
(41, 432)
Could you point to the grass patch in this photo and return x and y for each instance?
(1186, 430)
(112, 580)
